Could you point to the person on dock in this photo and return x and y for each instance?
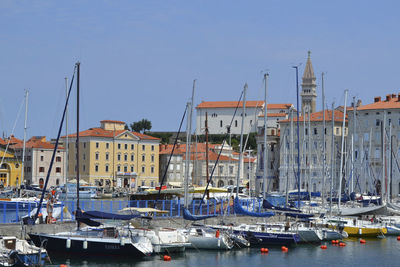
(50, 207)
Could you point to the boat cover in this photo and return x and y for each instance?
(240, 210)
(188, 216)
(80, 214)
(268, 205)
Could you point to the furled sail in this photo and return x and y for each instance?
(188, 216)
(240, 210)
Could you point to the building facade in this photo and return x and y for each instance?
(308, 85)
(10, 167)
(111, 156)
(220, 114)
(311, 133)
(375, 133)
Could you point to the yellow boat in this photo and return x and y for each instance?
(356, 228)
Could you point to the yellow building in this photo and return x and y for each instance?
(10, 169)
(111, 156)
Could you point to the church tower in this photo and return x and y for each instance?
(308, 92)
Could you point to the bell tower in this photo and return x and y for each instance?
(308, 92)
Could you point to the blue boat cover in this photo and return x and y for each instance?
(268, 205)
(299, 215)
(188, 216)
(240, 210)
(79, 214)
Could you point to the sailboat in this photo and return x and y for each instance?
(94, 239)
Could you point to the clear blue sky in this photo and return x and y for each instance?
(139, 58)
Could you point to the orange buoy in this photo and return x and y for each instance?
(217, 234)
(324, 247)
(167, 258)
(262, 249)
(398, 238)
(266, 250)
(362, 241)
(63, 265)
(341, 244)
(284, 249)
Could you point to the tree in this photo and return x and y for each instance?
(141, 125)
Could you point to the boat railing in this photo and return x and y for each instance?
(14, 212)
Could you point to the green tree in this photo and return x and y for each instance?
(141, 126)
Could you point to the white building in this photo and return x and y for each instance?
(38, 153)
(220, 114)
(371, 149)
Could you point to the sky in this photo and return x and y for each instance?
(139, 58)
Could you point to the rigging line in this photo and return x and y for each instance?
(12, 132)
(219, 154)
(170, 156)
(55, 147)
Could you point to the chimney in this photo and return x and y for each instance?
(393, 96)
(388, 97)
(377, 99)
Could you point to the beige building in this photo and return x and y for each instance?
(111, 156)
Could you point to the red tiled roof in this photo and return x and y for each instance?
(35, 143)
(234, 104)
(318, 116)
(100, 132)
(274, 115)
(2, 142)
(392, 103)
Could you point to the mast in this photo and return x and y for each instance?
(187, 155)
(332, 158)
(383, 183)
(208, 174)
(341, 151)
(241, 142)
(265, 134)
(309, 154)
(323, 142)
(389, 199)
(66, 143)
(24, 145)
(78, 65)
(291, 156)
(298, 134)
(352, 144)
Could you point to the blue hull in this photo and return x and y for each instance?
(265, 238)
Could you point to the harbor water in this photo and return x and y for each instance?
(376, 252)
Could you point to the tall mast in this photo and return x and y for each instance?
(341, 151)
(384, 182)
(352, 144)
(187, 155)
(78, 64)
(265, 163)
(332, 158)
(323, 142)
(298, 134)
(66, 159)
(291, 163)
(241, 141)
(208, 173)
(309, 154)
(389, 199)
(24, 145)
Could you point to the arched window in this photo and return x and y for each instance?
(220, 183)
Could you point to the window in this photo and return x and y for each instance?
(132, 147)
(377, 153)
(142, 183)
(96, 168)
(126, 157)
(119, 146)
(118, 168)
(84, 167)
(97, 156)
(132, 157)
(178, 167)
(106, 169)
(366, 137)
(143, 169)
(251, 122)
(143, 147)
(306, 131)
(107, 145)
(84, 156)
(152, 169)
(97, 144)
(377, 123)
(152, 147)
(143, 157)
(126, 146)
(125, 168)
(337, 131)
(236, 124)
(152, 158)
(315, 145)
(221, 169)
(58, 159)
(84, 145)
(132, 168)
(28, 169)
(152, 183)
(171, 166)
(107, 156)
(220, 123)
(41, 158)
(119, 157)
(325, 131)
(41, 169)
(58, 169)
(315, 131)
